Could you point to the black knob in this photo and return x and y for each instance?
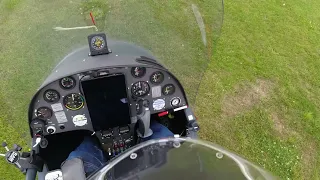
(44, 143)
(17, 147)
(51, 129)
(4, 144)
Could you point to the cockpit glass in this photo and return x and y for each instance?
(179, 158)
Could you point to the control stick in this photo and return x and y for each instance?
(144, 130)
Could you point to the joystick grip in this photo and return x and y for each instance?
(144, 130)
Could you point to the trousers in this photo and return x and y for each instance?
(93, 157)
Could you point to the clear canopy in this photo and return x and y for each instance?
(181, 34)
(179, 158)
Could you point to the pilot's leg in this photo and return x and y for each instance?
(92, 155)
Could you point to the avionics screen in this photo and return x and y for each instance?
(107, 102)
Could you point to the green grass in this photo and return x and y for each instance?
(263, 40)
(276, 42)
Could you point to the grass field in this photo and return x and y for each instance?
(259, 97)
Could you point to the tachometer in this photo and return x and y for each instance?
(44, 113)
(73, 101)
(138, 72)
(168, 89)
(67, 82)
(140, 89)
(51, 96)
(156, 77)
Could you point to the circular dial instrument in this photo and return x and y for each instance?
(67, 82)
(140, 89)
(51, 96)
(73, 101)
(97, 43)
(168, 89)
(138, 72)
(156, 77)
(44, 113)
(175, 102)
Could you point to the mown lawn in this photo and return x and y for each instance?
(264, 84)
(259, 96)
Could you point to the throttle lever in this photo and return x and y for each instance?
(38, 140)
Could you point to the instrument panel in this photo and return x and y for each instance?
(62, 105)
(158, 87)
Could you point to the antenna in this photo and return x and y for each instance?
(92, 19)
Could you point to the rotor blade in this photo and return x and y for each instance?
(74, 28)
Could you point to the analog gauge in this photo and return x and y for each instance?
(140, 89)
(97, 43)
(175, 102)
(51, 96)
(73, 101)
(168, 89)
(156, 78)
(44, 113)
(138, 72)
(67, 82)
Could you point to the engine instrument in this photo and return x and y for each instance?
(73, 101)
(51, 96)
(67, 83)
(44, 113)
(140, 89)
(168, 89)
(138, 72)
(175, 102)
(157, 77)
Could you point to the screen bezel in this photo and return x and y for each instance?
(102, 77)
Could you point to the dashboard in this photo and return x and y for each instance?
(62, 104)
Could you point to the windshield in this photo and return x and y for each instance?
(181, 34)
(179, 158)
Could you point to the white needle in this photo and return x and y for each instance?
(167, 90)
